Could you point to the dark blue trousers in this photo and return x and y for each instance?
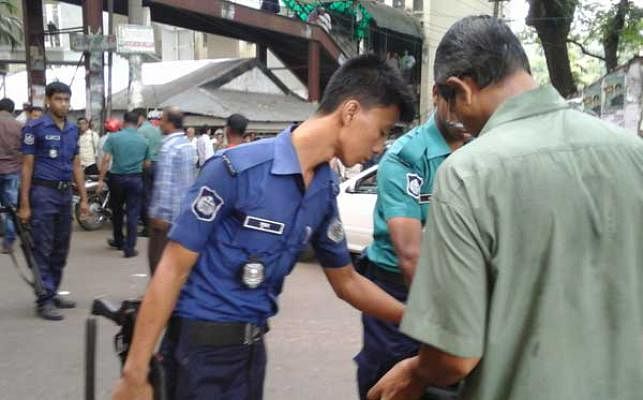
(197, 372)
(383, 344)
(126, 190)
(51, 233)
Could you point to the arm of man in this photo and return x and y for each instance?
(363, 294)
(25, 187)
(406, 236)
(156, 308)
(431, 367)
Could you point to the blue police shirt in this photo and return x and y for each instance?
(249, 203)
(54, 149)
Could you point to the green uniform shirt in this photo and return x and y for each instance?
(154, 138)
(533, 256)
(404, 181)
(128, 150)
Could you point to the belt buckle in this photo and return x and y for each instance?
(62, 185)
(252, 333)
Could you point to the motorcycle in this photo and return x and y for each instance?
(99, 210)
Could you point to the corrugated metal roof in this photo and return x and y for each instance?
(393, 19)
(198, 93)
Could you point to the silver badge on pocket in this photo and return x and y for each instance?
(253, 274)
(53, 153)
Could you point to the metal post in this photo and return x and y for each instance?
(313, 71)
(35, 50)
(135, 88)
(94, 63)
(262, 53)
(110, 58)
(496, 8)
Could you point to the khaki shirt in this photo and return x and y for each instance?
(10, 139)
(533, 256)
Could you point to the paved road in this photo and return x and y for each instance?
(310, 345)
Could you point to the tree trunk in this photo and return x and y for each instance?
(552, 20)
(613, 34)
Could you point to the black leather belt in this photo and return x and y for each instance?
(58, 185)
(206, 333)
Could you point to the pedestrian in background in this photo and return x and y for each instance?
(529, 282)
(35, 112)
(10, 165)
(175, 175)
(88, 143)
(50, 161)
(130, 154)
(154, 139)
(204, 147)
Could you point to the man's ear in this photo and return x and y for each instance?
(349, 111)
(463, 88)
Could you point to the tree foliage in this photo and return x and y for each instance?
(609, 31)
(10, 24)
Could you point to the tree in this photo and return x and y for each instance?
(552, 20)
(609, 32)
(10, 24)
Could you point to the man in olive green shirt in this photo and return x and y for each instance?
(130, 153)
(530, 279)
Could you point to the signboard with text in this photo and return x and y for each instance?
(135, 39)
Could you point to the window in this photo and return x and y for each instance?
(368, 184)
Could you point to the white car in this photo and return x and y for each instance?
(356, 202)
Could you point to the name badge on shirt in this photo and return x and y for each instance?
(425, 198)
(52, 137)
(264, 225)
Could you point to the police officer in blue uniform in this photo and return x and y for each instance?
(50, 161)
(250, 213)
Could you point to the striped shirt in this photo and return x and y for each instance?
(174, 175)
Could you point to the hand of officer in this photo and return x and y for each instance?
(101, 186)
(400, 383)
(129, 390)
(84, 209)
(24, 213)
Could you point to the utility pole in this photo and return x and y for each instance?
(135, 87)
(110, 58)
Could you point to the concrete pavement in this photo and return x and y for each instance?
(310, 346)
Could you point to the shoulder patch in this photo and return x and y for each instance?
(414, 185)
(207, 204)
(29, 139)
(336, 231)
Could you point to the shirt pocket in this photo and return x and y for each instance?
(52, 148)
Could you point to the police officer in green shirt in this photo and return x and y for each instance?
(404, 181)
(130, 153)
(529, 284)
(154, 139)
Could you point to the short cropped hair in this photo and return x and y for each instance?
(57, 87)
(7, 105)
(371, 81)
(131, 117)
(480, 47)
(237, 123)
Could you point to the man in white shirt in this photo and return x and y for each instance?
(204, 148)
(88, 143)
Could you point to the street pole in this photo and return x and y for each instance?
(135, 89)
(496, 8)
(110, 58)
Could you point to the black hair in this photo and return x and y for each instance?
(7, 105)
(57, 87)
(35, 108)
(174, 116)
(371, 81)
(141, 112)
(82, 119)
(131, 117)
(237, 124)
(480, 47)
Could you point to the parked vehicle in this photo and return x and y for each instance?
(356, 202)
(99, 211)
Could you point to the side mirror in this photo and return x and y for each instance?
(351, 187)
